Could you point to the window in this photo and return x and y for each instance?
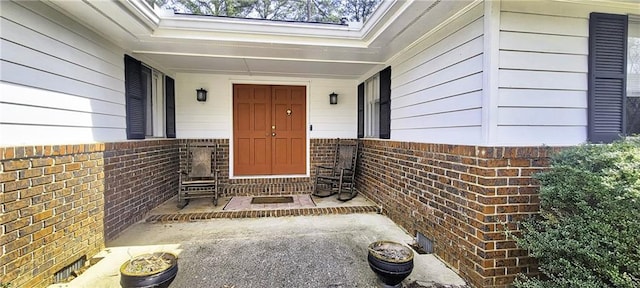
(372, 109)
(145, 101)
(154, 102)
(148, 99)
(613, 77)
(374, 106)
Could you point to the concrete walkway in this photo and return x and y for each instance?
(302, 251)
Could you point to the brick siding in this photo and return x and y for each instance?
(460, 197)
(52, 210)
(321, 151)
(60, 203)
(139, 176)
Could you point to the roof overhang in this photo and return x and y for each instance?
(206, 44)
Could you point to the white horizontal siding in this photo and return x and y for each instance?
(29, 57)
(26, 36)
(540, 135)
(542, 98)
(439, 54)
(60, 82)
(210, 119)
(52, 135)
(522, 60)
(529, 79)
(461, 118)
(24, 95)
(436, 86)
(202, 129)
(466, 101)
(543, 71)
(543, 24)
(443, 33)
(541, 43)
(45, 20)
(542, 116)
(446, 135)
(333, 121)
(56, 117)
(213, 118)
(446, 74)
(33, 77)
(449, 89)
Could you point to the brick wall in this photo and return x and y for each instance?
(461, 197)
(321, 152)
(55, 199)
(139, 176)
(52, 210)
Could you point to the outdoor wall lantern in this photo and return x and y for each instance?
(333, 98)
(201, 95)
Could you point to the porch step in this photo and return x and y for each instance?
(315, 211)
(265, 189)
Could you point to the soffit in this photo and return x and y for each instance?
(181, 43)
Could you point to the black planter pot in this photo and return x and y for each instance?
(391, 261)
(160, 279)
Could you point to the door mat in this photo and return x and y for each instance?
(271, 200)
(244, 203)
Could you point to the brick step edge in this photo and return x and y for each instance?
(315, 211)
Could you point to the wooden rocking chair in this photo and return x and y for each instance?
(200, 178)
(340, 177)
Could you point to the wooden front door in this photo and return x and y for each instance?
(269, 130)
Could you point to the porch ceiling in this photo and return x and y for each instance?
(184, 43)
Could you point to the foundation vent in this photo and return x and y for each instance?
(425, 243)
(65, 272)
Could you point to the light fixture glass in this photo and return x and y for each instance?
(333, 98)
(201, 95)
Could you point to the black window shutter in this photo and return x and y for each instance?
(607, 77)
(385, 103)
(361, 110)
(134, 94)
(170, 104)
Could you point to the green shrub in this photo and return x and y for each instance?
(588, 231)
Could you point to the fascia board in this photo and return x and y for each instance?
(142, 11)
(265, 38)
(381, 23)
(381, 16)
(254, 26)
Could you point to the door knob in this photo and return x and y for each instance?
(273, 134)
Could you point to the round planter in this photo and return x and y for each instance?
(142, 276)
(391, 261)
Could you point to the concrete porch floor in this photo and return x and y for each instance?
(324, 250)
